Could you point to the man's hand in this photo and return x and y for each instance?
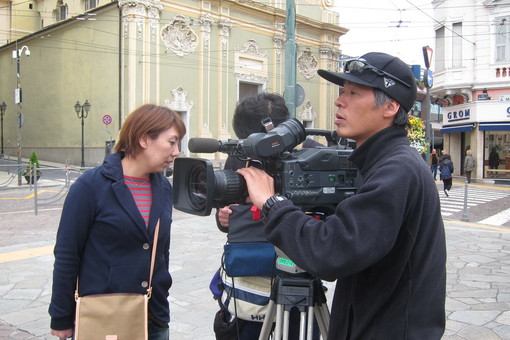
(260, 185)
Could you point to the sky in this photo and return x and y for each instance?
(397, 27)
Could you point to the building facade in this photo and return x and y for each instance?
(197, 57)
(472, 82)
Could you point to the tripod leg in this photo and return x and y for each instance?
(286, 318)
(279, 322)
(322, 316)
(309, 324)
(268, 321)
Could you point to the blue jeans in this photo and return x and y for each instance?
(433, 169)
(156, 332)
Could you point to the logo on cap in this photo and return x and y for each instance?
(388, 82)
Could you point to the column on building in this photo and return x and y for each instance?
(224, 105)
(140, 47)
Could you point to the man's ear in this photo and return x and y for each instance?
(391, 108)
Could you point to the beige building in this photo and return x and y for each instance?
(196, 57)
(472, 82)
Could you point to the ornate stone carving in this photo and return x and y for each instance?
(307, 64)
(179, 37)
(206, 22)
(256, 78)
(154, 15)
(308, 112)
(250, 63)
(225, 27)
(180, 100)
(331, 55)
(138, 11)
(251, 48)
(328, 3)
(278, 41)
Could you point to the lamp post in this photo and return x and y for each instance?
(428, 80)
(82, 111)
(16, 54)
(3, 107)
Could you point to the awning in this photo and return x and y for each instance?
(494, 126)
(457, 128)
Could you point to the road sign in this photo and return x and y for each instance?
(107, 119)
(428, 78)
(427, 55)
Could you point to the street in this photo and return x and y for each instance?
(478, 287)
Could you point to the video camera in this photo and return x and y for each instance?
(315, 179)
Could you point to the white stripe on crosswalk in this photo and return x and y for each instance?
(475, 196)
(498, 219)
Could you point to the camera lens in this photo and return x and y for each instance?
(230, 187)
(197, 179)
(227, 187)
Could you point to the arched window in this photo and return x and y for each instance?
(61, 11)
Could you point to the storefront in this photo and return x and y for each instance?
(484, 128)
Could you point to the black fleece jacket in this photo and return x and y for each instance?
(385, 246)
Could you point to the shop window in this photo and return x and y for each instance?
(498, 142)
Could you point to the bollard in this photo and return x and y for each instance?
(465, 216)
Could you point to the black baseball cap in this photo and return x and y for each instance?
(379, 70)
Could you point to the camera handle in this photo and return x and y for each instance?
(302, 292)
(331, 136)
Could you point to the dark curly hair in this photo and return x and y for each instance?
(253, 109)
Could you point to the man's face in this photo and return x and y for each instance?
(357, 117)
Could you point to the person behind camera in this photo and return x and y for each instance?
(108, 223)
(385, 245)
(239, 297)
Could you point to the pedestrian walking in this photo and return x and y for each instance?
(469, 165)
(434, 162)
(446, 172)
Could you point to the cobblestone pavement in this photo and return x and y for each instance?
(478, 288)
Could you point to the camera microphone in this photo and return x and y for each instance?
(204, 145)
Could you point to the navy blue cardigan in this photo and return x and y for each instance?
(103, 240)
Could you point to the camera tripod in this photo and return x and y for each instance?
(300, 291)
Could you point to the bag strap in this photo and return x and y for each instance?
(153, 260)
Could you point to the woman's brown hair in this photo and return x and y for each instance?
(148, 120)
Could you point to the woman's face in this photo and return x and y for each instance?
(159, 153)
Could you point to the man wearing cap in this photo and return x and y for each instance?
(385, 245)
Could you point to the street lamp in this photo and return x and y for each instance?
(82, 111)
(16, 54)
(3, 107)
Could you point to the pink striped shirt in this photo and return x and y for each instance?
(142, 193)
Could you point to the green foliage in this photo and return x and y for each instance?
(33, 161)
(416, 134)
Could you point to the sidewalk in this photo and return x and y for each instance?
(478, 287)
